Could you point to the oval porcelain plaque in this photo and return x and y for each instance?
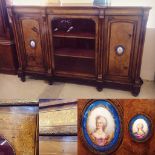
(32, 44)
(101, 127)
(140, 128)
(120, 50)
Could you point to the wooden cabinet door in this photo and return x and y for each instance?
(33, 52)
(122, 34)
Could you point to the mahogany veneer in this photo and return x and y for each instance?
(80, 42)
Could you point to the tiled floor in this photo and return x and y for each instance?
(12, 88)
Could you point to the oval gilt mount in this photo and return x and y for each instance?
(120, 50)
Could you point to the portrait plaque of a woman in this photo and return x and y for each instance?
(140, 128)
(140, 133)
(101, 126)
(99, 136)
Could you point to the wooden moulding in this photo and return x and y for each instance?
(58, 117)
(18, 102)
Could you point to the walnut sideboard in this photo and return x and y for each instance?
(100, 45)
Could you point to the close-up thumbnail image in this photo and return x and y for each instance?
(58, 127)
(19, 127)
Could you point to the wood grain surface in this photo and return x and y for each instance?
(64, 145)
(19, 125)
(57, 117)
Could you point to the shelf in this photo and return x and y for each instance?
(75, 53)
(76, 66)
(84, 35)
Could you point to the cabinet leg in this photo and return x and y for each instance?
(50, 81)
(22, 77)
(135, 91)
(136, 87)
(99, 86)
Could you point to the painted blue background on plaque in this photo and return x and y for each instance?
(117, 121)
(140, 116)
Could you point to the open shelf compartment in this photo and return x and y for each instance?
(75, 66)
(73, 28)
(74, 46)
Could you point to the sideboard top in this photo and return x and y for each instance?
(77, 5)
(78, 9)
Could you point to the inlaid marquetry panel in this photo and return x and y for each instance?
(19, 127)
(32, 44)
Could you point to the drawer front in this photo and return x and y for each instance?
(31, 34)
(122, 32)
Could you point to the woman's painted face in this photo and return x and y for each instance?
(99, 124)
(140, 126)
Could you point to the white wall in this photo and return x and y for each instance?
(148, 62)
